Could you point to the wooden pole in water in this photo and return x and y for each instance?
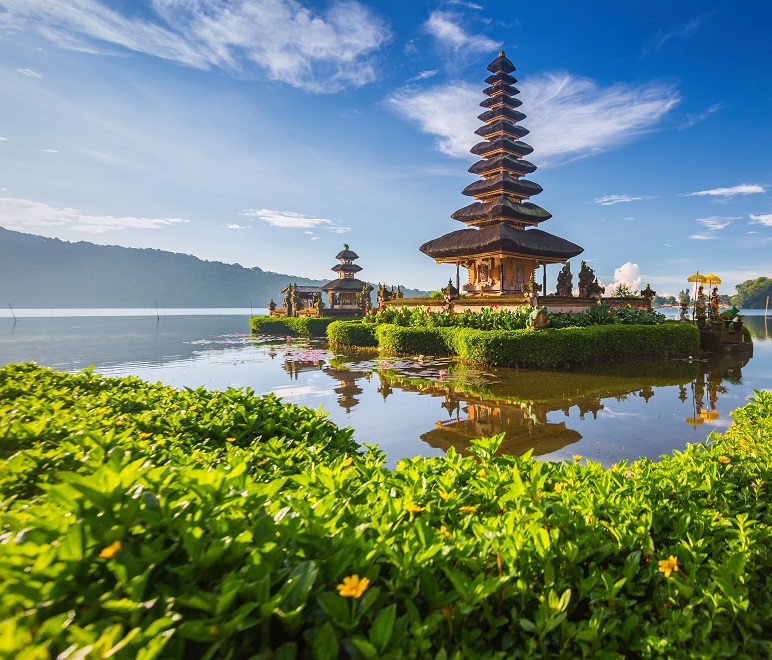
(157, 317)
(10, 306)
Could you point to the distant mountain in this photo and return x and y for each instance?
(39, 272)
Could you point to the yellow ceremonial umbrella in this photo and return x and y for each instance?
(695, 421)
(708, 414)
(696, 278)
(711, 279)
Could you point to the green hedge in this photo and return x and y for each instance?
(140, 521)
(290, 326)
(525, 348)
(351, 334)
(396, 339)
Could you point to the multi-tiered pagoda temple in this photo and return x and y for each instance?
(346, 291)
(501, 249)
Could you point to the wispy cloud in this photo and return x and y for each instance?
(424, 75)
(608, 200)
(30, 73)
(50, 151)
(286, 40)
(569, 117)
(728, 193)
(716, 222)
(238, 227)
(703, 237)
(3, 139)
(694, 119)
(290, 220)
(24, 213)
(684, 31)
(470, 5)
(765, 219)
(446, 28)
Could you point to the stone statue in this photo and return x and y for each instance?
(271, 305)
(449, 292)
(565, 282)
(589, 287)
(295, 301)
(537, 319)
(648, 293)
(714, 303)
(288, 300)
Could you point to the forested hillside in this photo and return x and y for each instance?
(753, 294)
(38, 272)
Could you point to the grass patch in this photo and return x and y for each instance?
(140, 521)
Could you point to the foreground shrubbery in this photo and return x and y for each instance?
(303, 326)
(495, 319)
(523, 348)
(139, 521)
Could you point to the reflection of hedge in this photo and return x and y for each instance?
(545, 348)
(352, 334)
(277, 325)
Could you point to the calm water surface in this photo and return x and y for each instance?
(410, 407)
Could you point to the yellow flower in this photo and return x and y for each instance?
(230, 439)
(558, 488)
(724, 460)
(352, 586)
(111, 550)
(192, 408)
(481, 473)
(119, 422)
(347, 461)
(468, 509)
(445, 496)
(577, 457)
(444, 531)
(667, 566)
(142, 436)
(263, 462)
(414, 508)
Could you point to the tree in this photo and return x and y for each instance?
(752, 294)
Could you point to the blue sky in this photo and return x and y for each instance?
(270, 132)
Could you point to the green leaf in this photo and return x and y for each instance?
(325, 644)
(383, 626)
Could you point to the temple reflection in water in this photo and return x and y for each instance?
(534, 410)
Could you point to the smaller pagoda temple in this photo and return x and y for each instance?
(347, 292)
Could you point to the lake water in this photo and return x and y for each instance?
(408, 406)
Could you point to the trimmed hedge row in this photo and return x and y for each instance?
(525, 348)
(352, 334)
(294, 326)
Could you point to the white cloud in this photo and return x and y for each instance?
(728, 193)
(765, 219)
(238, 227)
(680, 32)
(694, 119)
(608, 200)
(703, 237)
(3, 139)
(628, 274)
(470, 5)
(290, 220)
(446, 29)
(569, 117)
(24, 213)
(424, 75)
(319, 51)
(716, 222)
(50, 151)
(30, 73)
